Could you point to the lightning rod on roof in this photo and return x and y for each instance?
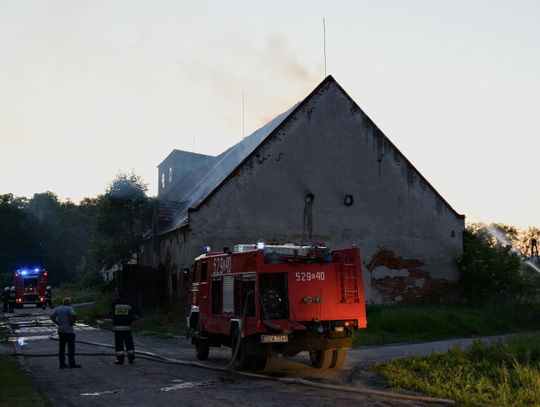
(324, 45)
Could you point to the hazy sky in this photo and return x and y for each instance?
(91, 88)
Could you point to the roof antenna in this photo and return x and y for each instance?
(243, 132)
(324, 45)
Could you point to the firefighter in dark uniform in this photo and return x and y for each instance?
(5, 299)
(48, 297)
(11, 300)
(123, 315)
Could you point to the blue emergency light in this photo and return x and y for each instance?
(26, 272)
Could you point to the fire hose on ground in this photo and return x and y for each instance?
(298, 381)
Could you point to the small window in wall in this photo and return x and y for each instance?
(308, 215)
(170, 174)
(162, 180)
(453, 233)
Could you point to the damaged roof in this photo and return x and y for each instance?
(199, 184)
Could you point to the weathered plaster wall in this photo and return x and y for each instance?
(409, 238)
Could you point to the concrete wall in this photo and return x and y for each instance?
(409, 238)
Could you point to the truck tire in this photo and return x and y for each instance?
(321, 359)
(202, 348)
(338, 358)
(242, 361)
(245, 361)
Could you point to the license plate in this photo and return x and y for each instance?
(279, 338)
(29, 305)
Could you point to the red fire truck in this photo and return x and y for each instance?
(30, 286)
(263, 300)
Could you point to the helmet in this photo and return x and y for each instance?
(6, 288)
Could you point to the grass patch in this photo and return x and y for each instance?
(162, 322)
(394, 324)
(16, 386)
(502, 373)
(79, 295)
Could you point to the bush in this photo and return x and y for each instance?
(91, 279)
(489, 273)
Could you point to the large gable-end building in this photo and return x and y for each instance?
(320, 172)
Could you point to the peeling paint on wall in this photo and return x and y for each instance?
(403, 281)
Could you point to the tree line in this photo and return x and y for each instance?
(74, 241)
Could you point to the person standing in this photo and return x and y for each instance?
(123, 315)
(5, 300)
(12, 299)
(48, 297)
(64, 318)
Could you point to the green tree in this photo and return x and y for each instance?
(525, 238)
(490, 272)
(17, 239)
(124, 214)
(63, 231)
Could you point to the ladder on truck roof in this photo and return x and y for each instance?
(347, 270)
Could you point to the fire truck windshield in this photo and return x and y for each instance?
(30, 283)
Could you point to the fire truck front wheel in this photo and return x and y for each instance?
(202, 347)
(245, 360)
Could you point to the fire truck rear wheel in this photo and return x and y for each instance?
(321, 359)
(338, 358)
